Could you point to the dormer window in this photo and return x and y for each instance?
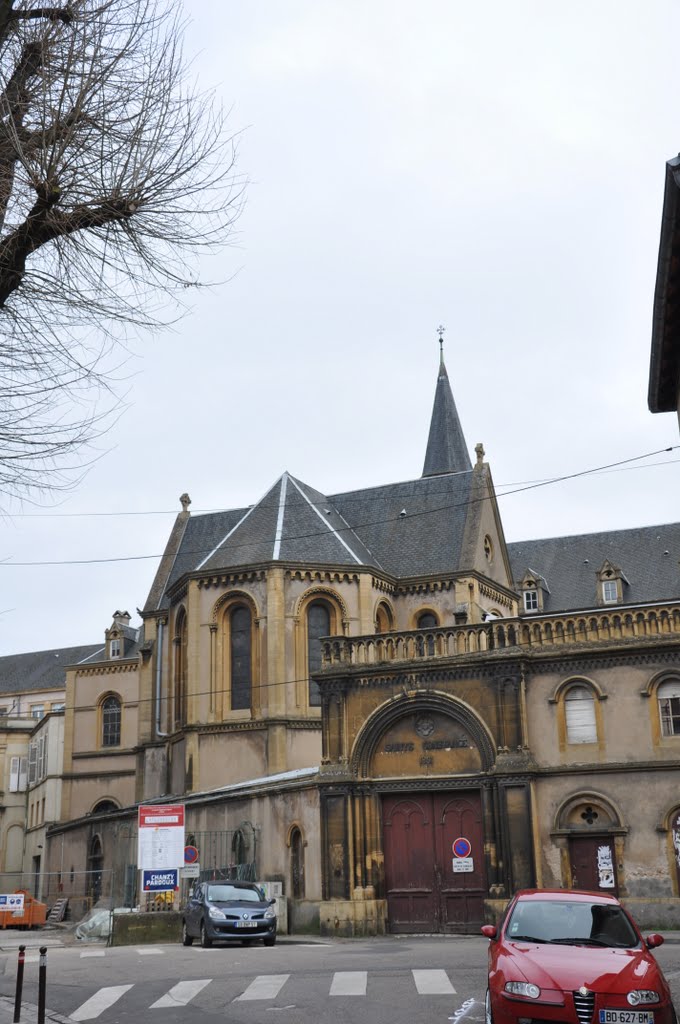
(115, 648)
(530, 601)
(610, 583)
(534, 591)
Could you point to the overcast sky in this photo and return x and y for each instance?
(495, 167)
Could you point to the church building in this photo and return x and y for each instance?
(389, 710)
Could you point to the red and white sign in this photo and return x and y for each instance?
(160, 837)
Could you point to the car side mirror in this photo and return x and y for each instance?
(489, 930)
(654, 940)
(272, 901)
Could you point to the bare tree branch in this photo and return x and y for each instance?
(115, 175)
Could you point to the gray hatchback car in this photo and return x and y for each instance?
(228, 910)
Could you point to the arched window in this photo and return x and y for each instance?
(297, 865)
(426, 620)
(95, 864)
(180, 641)
(238, 850)
(383, 619)
(240, 632)
(111, 722)
(318, 625)
(105, 805)
(668, 695)
(579, 707)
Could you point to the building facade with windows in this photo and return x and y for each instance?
(348, 685)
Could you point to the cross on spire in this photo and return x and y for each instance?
(440, 332)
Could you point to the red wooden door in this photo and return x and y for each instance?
(593, 865)
(461, 893)
(409, 863)
(424, 892)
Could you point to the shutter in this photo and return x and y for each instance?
(32, 763)
(42, 767)
(580, 712)
(23, 766)
(14, 774)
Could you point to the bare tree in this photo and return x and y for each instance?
(114, 174)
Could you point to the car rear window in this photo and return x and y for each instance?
(567, 921)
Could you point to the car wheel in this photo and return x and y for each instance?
(206, 942)
(488, 1013)
(186, 938)
(270, 940)
(674, 1016)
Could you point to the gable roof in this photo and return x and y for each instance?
(648, 557)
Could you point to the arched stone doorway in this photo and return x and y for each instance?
(592, 834)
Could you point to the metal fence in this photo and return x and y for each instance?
(113, 879)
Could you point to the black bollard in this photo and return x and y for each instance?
(42, 984)
(20, 984)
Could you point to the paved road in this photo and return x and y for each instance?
(384, 981)
(381, 981)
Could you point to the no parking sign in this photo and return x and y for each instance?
(462, 862)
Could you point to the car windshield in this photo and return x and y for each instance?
(224, 893)
(571, 923)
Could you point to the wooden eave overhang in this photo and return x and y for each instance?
(664, 369)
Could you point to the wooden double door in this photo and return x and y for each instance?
(433, 884)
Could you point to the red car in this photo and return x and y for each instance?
(573, 958)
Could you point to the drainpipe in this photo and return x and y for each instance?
(159, 674)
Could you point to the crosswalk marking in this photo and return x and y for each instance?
(180, 994)
(150, 951)
(99, 1002)
(433, 983)
(349, 983)
(265, 986)
(92, 952)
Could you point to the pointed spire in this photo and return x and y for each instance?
(446, 449)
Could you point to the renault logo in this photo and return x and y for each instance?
(245, 917)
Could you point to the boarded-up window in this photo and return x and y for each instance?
(318, 625)
(580, 711)
(241, 664)
(669, 707)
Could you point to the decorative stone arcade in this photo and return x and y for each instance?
(414, 760)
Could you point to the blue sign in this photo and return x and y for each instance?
(11, 901)
(461, 847)
(160, 881)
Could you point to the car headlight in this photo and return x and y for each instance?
(523, 988)
(269, 914)
(643, 995)
(216, 913)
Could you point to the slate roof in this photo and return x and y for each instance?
(446, 449)
(647, 556)
(294, 523)
(42, 670)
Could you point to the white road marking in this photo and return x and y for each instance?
(433, 983)
(93, 952)
(180, 994)
(99, 1002)
(265, 986)
(349, 983)
(151, 952)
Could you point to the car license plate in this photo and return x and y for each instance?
(253, 924)
(626, 1017)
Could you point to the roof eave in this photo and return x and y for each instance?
(664, 370)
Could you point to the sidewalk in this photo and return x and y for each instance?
(29, 1013)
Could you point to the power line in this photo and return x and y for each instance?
(358, 526)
